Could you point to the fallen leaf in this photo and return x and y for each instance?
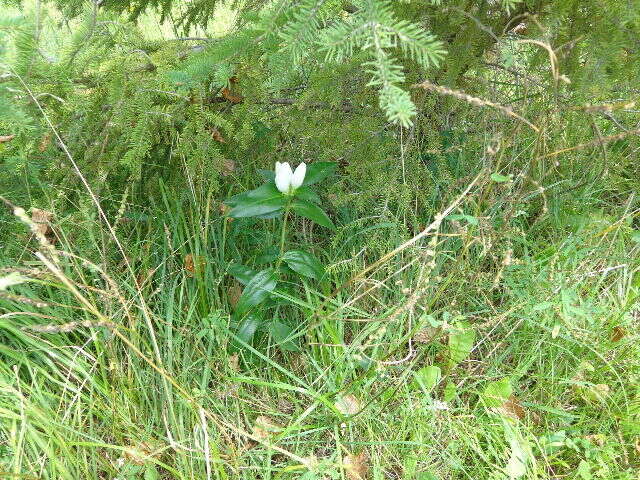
(618, 334)
(226, 93)
(42, 219)
(44, 143)
(264, 428)
(228, 167)
(233, 294)
(356, 466)
(637, 445)
(512, 408)
(194, 264)
(348, 405)
(217, 136)
(234, 362)
(6, 138)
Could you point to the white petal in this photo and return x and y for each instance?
(283, 177)
(298, 175)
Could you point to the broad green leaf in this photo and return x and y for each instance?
(497, 393)
(428, 377)
(306, 193)
(248, 327)
(470, 219)
(256, 291)
(267, 174)
(318, 171)
(264, 200)
(242, 273)
(496, 177)
(461, 340)
(450, 391)
(304, 263)
(312, 212)
(281, 333)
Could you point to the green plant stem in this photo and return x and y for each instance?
(283, 235)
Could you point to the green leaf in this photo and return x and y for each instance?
(450, 391)
(281, 333)
(471, 220)
(242, 273)
(318, 171)
(496, 393)
(461, 340)
(428, 377)
(248, 327)
(256, 291)
(267, 174)
(304, 263)
(496, 177)
(264, 200)
(312, 212)
(306, 193)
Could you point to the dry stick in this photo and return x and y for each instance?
(194, 403)
(592, 143)
(478, 102)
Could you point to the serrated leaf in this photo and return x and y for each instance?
(312, 212)
(318, 171)
(256, 291)
(461, 340)
(496, 177)
(428, 377)
(304, 263)
(497, 393)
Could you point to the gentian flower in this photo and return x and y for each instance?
(287, 181)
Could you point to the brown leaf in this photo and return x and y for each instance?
(234, 292)
(356, 466)
(6, 138)
(512, 408)
(226, 93)
(194, 264)
(44, 143)
(264, 428)
(42, 219)
(348, 405)
(228, 167)
(234, 362)
(618, 334)
(637, 445)
(217, 136)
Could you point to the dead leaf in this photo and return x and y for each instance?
(6, 138)
(356, 466)
(512, 408)
(194, 264)
(42, 219)
(264, 428)
(217, 136)
(618, 334)
(226, 93)
(234, 362)
(228, 167)
(427, 335)
(348, 405)
(637, 445)
(139, 454)
(44, 143)
(234, 292)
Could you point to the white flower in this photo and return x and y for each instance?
(287, 181)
